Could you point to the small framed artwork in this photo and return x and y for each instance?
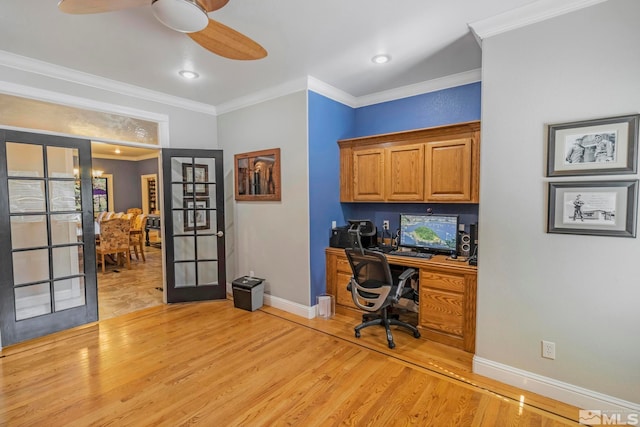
(257, 175)
(196, 215)
(193, 174)
(593, 147)
(601, 208)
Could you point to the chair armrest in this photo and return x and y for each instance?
(406, 274)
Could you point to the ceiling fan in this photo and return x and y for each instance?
(186, 16)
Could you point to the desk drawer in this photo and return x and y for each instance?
(441, 311)
(342, 265)
(446, 282)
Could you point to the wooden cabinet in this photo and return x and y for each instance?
(448, 306)
(427, 165)
(447, 295)
(404, 172)
(338, 276)
(448, 170)
(368, 174)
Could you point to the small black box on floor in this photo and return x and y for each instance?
(248, 292)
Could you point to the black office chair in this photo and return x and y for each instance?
(374, 290)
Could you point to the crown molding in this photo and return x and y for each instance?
(35, 66)
(331, 92)
(529, 14)
(263, 95)
(307, 83)
(453, 80)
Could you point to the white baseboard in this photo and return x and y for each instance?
(290, 307)
(285, 305)
(581, 397)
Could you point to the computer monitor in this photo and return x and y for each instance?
(429, 233)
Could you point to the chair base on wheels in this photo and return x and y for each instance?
(386, 320)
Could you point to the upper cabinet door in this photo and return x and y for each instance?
(368, 174)
(448, 171)
(405, 173)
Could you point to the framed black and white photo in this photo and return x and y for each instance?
(593, 147)
(196, 215)
(194, 175)
(602, 208)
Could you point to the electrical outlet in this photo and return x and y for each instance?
(385, 224)
(548, 349)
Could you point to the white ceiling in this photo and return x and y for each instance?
(330, 40)
(104, 150)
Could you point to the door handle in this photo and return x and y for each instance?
(220, 233)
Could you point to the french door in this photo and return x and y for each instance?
(47, 245)
(193, 188)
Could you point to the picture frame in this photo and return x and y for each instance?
(192, 175)
(593, 147)
(600, 208)
(257, 175)
(196, 214)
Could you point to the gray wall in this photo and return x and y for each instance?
(270, 238)
(127, 192)
(581, 292)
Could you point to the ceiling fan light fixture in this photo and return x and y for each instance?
(381, 59)
(186, 16)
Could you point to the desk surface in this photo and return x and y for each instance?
(435, 261)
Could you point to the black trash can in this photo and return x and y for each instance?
(248, 292)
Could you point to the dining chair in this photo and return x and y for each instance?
(134, 211)
(114, 240)
(136, 235)
(101, 216)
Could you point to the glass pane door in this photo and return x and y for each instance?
(194, 224)
(48, 280)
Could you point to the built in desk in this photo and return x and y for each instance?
(447, 295)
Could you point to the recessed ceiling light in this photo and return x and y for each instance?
(117, 151)
(189, 74)
(381, 59)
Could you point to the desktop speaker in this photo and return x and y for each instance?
(464, 245)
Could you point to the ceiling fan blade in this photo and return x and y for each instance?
(227, 42)
(79, 7)
(211, 5)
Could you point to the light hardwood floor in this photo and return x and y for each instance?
(211, 364)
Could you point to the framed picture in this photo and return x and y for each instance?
(593, 147)
(257, 175)
(196, 215)
(602, 208)
(193, 174)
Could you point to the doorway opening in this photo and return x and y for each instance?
(133, 174)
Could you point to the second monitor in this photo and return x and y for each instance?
(429, 233)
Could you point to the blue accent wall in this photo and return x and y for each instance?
(329, 121)
(442, 107)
